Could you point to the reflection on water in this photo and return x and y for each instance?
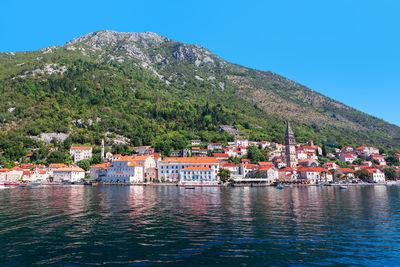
(135, 225)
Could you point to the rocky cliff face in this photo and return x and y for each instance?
(147, 47)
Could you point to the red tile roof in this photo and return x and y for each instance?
(346, 170)
(220, 155)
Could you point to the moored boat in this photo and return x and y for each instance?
(342, 187)
(11, 183)
(34, 183)
(279, 186)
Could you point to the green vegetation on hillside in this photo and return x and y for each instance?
(126, 98)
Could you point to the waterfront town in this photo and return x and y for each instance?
(217, 164)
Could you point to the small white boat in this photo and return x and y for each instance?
(342, 187)
(34, 183)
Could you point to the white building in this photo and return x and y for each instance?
(313, 175)
(79, 153)
(195, 142)
(232, 167)
(197, 175)
(347, 158)
(242, 142)
(98, 171)
(148, 164)
(124, 170)
(68, 174)
(376, 176)
(169, 168)
(301, 155)
(366, 151)
(214, 146)
(14, 174)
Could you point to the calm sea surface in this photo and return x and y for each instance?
(118, 225)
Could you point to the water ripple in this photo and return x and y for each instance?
(143, 226)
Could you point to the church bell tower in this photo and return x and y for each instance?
(290, 147)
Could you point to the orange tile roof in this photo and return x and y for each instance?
(140, 158)
(197, 169)
(346, 170)
(133, 164)
(69, 169)
(229, 164)
(266, 163)
(39, 166)
(100, 166)
(57, 165)
(25, 166)
(190, 160)
(372, 170)
(125, 158)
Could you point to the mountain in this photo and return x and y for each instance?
(146, 88)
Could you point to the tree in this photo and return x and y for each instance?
(224, 174)
(56, 157)
(324, 150)
(357, 161)
(363, 174)
(392, 160)
(67, 143)
(390, 173)
(255, 154)
(84, 164)
(95, 159)
(235, 160)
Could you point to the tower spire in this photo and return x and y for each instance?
(289, 130)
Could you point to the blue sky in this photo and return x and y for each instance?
(347, 50)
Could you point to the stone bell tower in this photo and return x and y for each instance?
(290, 147)
(102, 150)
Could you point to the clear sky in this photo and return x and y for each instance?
(348, 50)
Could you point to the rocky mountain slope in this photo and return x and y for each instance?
(150, 88)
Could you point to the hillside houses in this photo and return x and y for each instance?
(199, 162)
